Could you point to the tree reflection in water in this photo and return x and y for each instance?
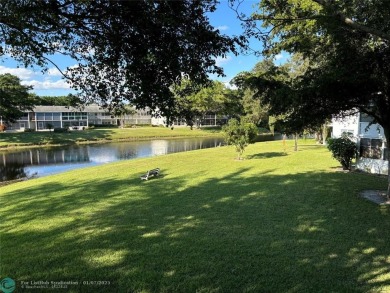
(12, 172)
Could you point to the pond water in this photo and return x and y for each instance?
(45, 161)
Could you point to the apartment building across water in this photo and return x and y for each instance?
(50, 117)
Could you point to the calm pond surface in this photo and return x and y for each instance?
(45, 161)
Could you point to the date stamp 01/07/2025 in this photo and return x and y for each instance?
(8, 285)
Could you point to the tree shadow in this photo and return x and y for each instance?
(259, 233)
(266, 155)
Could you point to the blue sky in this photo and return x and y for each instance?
(52, 84)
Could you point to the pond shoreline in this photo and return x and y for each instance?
(8, 182)
(99, 141)
(22, 163)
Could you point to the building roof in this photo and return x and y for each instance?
(49, 109)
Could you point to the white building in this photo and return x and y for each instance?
(370, 138)
(45, 117)
(50, 117)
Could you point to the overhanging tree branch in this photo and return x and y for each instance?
(349, 22)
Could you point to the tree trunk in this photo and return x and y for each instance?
(284, 144)
(387, 136)
(388, 171)
(296, 142)
(319, 136)
(324, 133)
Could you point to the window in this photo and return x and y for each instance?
(348, 132)
(48, 116)
(74, 116)
(366, 118)
(40, 116)
(371, 148)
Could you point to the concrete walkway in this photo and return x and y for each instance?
(376, 196)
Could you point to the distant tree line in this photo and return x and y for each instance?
(69, 100)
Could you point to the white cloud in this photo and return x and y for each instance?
(229, 86)
(22, 73)
(279, 56)
(47, 84)
(37, 79)
(74, 66)
(219, 61)
(53, 72)
(222, 27)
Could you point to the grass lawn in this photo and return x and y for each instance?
(20, 139)
(274, 222)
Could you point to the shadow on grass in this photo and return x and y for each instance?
(266, 155)
(267, 233)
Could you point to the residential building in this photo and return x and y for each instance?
(50, 117)
(372, 144)
(45, 117)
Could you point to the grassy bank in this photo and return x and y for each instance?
(275, 222)
(23, 139)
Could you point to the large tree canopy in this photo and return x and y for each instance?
(126, 50)
(193, 102)
(69, 100)
(349, 63)
(14, 98)
(348, 45)
(291, 24)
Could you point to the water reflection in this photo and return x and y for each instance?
(41, 156)
(14, 171)
(45, 161)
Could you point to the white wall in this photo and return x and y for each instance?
(347, 124)
(358, 129)
(158, 121)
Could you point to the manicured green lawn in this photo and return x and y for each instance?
(99, 134)
(274, 222)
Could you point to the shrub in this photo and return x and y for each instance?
(239, 134)
(343, 150)
(49, 126)
(103, 125)
(29, 130)
(61, 130)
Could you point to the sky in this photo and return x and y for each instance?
(224, 18)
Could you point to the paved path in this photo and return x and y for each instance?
(376, 196)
